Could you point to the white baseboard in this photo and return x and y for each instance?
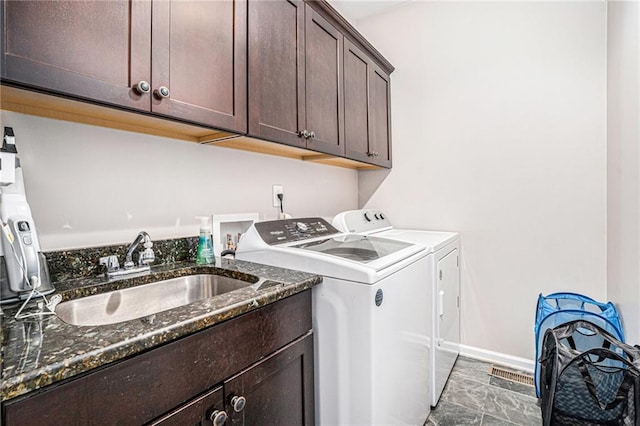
(498, 358)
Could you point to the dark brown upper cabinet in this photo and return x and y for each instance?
(324, 97)
(293, 72)
(367, 106)
(295, 76)
(94, 50)
(199, 55)
(183, 59)
(276, 70)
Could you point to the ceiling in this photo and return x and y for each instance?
(355, 10)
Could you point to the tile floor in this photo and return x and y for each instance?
(473, 397)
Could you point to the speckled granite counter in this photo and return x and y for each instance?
(38, 353)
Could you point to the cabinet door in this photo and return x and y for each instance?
(366, 108)
(324, 100)
(95, 50)
(278, 390)
(199, 55)
(379, 116)
(276, 70)
(356, 102)
(200, 411)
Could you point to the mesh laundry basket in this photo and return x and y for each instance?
(598, 386)
(559, 308)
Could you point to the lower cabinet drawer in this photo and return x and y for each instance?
(203, 410)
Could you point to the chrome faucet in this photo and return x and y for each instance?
(146, 256)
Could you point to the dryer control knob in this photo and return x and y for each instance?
(366, 216)
(376, 216)
(302, 227)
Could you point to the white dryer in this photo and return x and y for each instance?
(443, 282)
(370, 336)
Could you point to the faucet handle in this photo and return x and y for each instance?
(147, 256)
(111, 262)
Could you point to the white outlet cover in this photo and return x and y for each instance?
(277, 189)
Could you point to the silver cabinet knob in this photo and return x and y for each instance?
(218, 417)
(142, 87)
(238, 403)
(312, 135)
(162, 92)
(304, 134)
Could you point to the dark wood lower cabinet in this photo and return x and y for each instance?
(278, 390)
(264, 356)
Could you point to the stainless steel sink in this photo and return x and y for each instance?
(147, 299)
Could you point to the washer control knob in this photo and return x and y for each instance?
(381, 216)
(366, 216)
(376, 216)
(302, 227)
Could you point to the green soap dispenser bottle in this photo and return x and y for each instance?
(205, 255)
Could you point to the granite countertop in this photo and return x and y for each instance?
(37, 353)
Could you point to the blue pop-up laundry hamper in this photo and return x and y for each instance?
(556, 309)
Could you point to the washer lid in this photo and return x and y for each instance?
(357, 248)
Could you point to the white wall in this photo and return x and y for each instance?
(89, 185)
(499, 132)
(623, 134)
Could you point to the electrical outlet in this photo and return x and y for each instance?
(277, 189)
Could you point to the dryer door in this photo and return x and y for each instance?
(448, 302)
(447, 321)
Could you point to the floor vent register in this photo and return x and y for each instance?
(511, 375)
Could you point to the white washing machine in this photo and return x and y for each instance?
(370, 336)
(443, 280)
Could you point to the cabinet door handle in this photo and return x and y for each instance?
(162, 92)
(304, 134)
(238, 403)
(142, 87)
(312, 135)
(218, 417)
(373, 154)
